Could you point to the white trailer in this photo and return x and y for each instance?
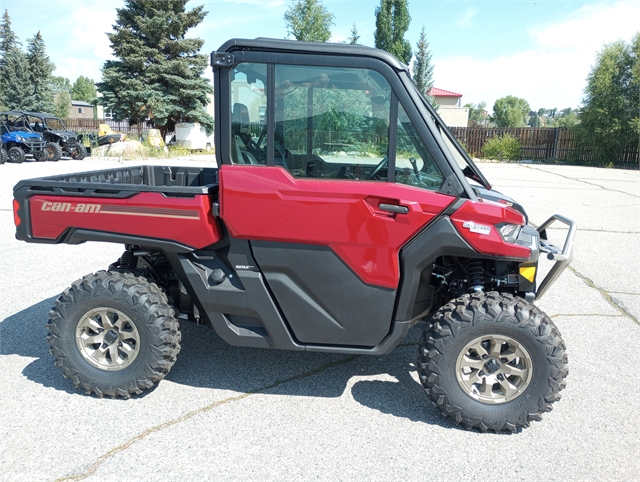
(192, 135)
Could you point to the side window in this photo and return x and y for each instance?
(414, 164)
(331, 122)
(248, 108)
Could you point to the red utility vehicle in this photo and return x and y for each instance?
(340, 215)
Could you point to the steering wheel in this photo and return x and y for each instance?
(378, 168)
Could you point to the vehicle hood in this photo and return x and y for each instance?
(63, 133)
(24, 134)
(496, 196)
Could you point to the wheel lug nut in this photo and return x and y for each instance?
(484, 357)
(500, 377)
(481, 373)
(504, 360)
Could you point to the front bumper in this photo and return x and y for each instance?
(561, 258)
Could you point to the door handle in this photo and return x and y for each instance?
(394, 208)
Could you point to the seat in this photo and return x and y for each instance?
(240, 136)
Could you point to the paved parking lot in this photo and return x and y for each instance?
(226, 413)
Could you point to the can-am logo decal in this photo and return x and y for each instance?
(69, 207)
(477, 228)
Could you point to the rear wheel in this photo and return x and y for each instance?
(492, 362)
(78, 152)
(113, 334)
(3, 155)
(15, 154)
(53, 151)
(40, 156)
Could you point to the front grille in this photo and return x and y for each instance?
(34, 144)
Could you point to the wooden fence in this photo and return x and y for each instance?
(84, 125)
(543, 143)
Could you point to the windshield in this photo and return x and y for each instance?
(469, 169)
(55, 124)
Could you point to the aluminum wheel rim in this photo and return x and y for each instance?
(494, 369)
(107, 339)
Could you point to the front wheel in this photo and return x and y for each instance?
(492, 362)
(15, 154)
(78, 152)
(3, 155)
(53, 151)
(113, 334)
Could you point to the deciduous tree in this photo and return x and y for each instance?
(309, 20)
(609, 119)
(568, 119)
(84, 89)
(476, 114)
(60, 84)
(158, 73)
(62, 104)
(392, 22)
(511, 111)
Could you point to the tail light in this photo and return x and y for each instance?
(16, 217)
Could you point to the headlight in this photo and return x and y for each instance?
(509, 232)
(19, 138)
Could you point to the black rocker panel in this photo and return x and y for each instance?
(323, 301)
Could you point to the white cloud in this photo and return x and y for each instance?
(553, 73)
(465, 22)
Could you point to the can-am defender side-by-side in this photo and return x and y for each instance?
(342, 212)
(60, 140)
(19, 140)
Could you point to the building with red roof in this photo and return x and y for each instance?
(450, 107)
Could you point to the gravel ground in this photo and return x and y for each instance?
(226, 413)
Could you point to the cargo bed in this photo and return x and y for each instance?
(156, 206)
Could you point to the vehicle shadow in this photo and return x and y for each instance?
(382, 383)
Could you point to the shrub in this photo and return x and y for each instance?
(504, 147)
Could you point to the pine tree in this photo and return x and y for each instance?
(422, 68)
(158, 74)
(16, 84)
(40, 70)
(309, 21)
(355, 36)
(84, 89)
(8, 39)
(392, 22)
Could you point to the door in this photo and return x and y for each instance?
(325, 225)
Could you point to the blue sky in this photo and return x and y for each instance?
(539, 50)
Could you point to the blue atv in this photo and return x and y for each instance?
(18, 139)
(3, 153)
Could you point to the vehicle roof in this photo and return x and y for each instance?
(11, 112)
(40, 114)
(295, 46)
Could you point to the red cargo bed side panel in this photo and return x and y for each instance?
(187, 221)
